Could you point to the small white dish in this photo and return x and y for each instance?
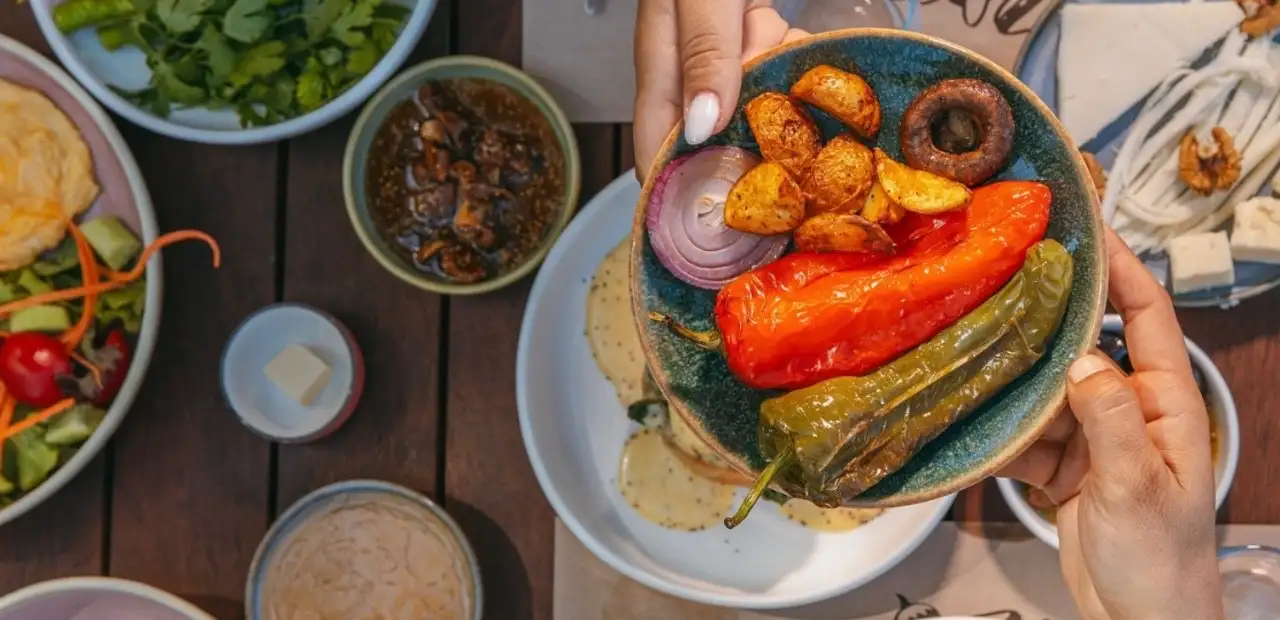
(574, 429)
(263, 407)
(1221, 406)
(81, 598)
(98, 70)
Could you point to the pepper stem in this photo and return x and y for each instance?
(708, 340)
(761, 485)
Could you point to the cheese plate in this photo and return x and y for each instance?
(1176, 70)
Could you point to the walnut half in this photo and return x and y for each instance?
(1261, 17)
(1209, 166)
(1095, 172)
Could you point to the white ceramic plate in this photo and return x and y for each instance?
(124, 194)
(574, 429)
(98, 70)
(1039, 70)
(1221, 405)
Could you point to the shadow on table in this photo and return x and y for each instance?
(508, 595)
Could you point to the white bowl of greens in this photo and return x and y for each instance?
(38, 461)
(232, 71)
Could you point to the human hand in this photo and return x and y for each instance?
(689, 56)
(1132, 470)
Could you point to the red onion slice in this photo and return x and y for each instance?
(686, 219)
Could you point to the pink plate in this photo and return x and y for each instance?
(124, 194)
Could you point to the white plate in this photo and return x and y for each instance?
(98, 70)
(1039, 70)
(574, 428)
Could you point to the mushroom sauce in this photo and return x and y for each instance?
(465, 178)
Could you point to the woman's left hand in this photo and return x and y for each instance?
(689, 56)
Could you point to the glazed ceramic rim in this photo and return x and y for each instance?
(288, 521)
(534, 92)
(1055, 400)
(406, 41)
(155, 286)
(113, 585)
(332, 423)
(1228, 429)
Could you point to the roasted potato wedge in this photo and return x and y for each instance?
(784, 131)
(917, 190)
(878, 209)
(765, 201)
(841, 232)
(842, 94)
(840, 177)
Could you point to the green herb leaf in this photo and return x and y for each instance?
(169, 82)
(330, 56)
(218, 54)
(258, 61)
(347, 27)
(362, 59)
(319, 16)
(246, 21)
(181, 16)
(313, 87)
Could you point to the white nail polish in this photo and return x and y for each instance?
(701, 118)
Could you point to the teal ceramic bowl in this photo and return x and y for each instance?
(401, 89)
(898, 65)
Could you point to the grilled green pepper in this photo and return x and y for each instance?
(830, 442)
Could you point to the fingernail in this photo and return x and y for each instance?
(701, 118)
(1086, 367)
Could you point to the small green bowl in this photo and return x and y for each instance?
(401, 89)
(898, 65)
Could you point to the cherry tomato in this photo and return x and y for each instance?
(113, 359)
(30, 366)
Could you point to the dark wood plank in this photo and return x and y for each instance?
(1245, 344)
(394, 434)
(65, 535)
(190, 482)
(490, 486)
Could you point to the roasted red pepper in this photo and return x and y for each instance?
(810, 317)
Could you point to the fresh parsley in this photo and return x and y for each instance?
(269, 60)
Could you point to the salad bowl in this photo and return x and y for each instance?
(123, 195)
(898, 66)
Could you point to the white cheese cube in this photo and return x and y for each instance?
(298, 372)
(1256, 234)
(1200, 261)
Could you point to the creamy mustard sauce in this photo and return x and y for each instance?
(611, 326)
(662, 489)
(369, 557)
(828, 519)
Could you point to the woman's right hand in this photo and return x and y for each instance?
(689, 56)
(1131, 470)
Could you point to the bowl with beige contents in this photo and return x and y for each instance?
(364, 550)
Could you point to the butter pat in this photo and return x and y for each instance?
(1256, 234)
(1201, 261)
(298, 372)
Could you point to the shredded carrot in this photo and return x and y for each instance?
(89, 270)
(7, 406)
(125, 278)
(38, 417)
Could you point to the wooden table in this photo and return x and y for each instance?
(183, 494)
